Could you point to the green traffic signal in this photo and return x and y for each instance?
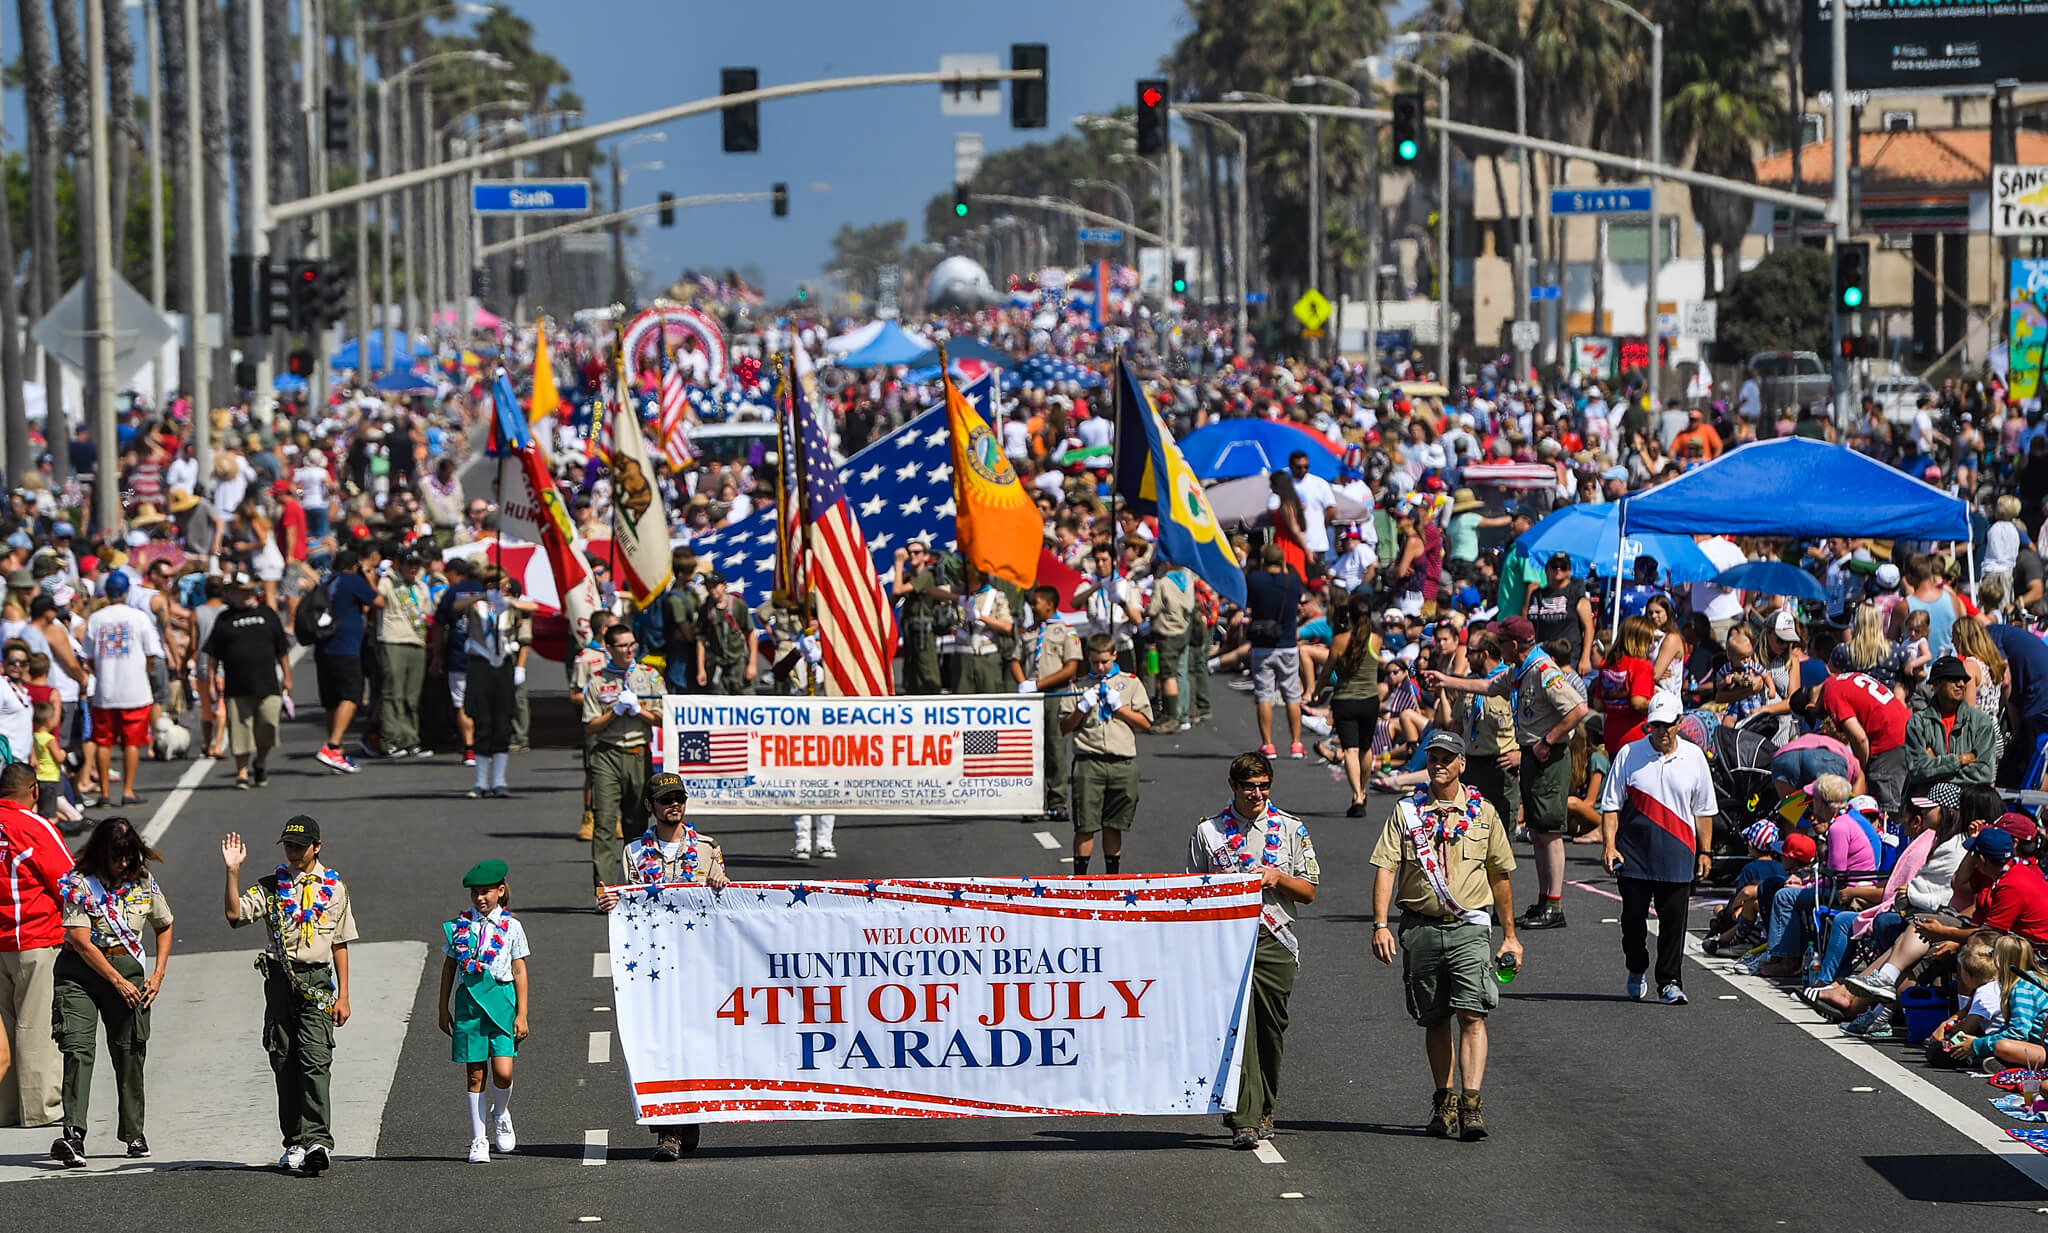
(960, 209)
(1407, 151)
(1852, 297)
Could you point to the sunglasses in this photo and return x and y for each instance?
(672, 799)
(1263, 787)
(16, 663)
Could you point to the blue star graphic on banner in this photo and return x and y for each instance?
(1130, 898)
(798, 894)
(1038, 891)
(959, 895)
(873, 886)
(654, 973)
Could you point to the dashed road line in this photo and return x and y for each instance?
(1267, 1153)
(1046, 840)
(601, 965)
(595, 1144)
(600, 1047)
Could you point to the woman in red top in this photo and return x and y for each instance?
(1625, 683)
(1290, 524)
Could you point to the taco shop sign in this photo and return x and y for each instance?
(2019, 200)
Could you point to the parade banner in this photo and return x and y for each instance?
(970, 755)
(977, 997)
(2028, 326)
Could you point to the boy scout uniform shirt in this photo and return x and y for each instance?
(1485, 719)
(336, 926)
(1209, 851)
(1053, 646)
(605, 689)
(1171, 608)
(1468, 861)
(988, 602)
(404, 619)
(709, 853)
(143, 909)
(1114, 739)
(1544, 695)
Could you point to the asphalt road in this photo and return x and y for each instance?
(1724, 1114)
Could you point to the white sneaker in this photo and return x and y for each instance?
(479, 1151)
(501, 1133)
(1672, 995)
(1638, 986)
(294, 1158)
(800, 852)
(828, 854)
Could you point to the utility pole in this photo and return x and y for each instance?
(361, 140)
(1845, 373)
(1443, 233)
(313, 116)
(1656, 334)
(199, 380)
(106, 486)
(255, 209)
(153, 60)
(1315, 213)
(619, 290)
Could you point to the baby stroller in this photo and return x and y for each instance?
(1740, 758)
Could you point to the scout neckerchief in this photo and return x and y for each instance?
(478, 942)
(1478, 701)
(1112, 700)
(1241, 861)
(107, 904)
(409, 606)
(306, 915)
(1425, 836)
(649, 866)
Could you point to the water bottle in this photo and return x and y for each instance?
(1505, 968)
(1152, 660)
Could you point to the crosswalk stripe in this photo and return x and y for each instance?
(1046, 840)
(601, 965)
(595, 1144)
(1267, 1153)
(600, 1047)
(211, 1098)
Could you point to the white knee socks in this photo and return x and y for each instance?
(476, 1114)
(498, 761)
(501, 1101)
(822, 829)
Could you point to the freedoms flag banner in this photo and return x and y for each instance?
(977, 997)
(974, 755)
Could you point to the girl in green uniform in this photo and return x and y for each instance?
(483, 1001)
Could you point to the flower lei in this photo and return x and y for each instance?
(1233, 834)
(468, 929)
(1448, 831)
(291, 910)
(648, 863)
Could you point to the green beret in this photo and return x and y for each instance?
(485, 873)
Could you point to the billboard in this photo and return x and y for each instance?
(1925, 44)
(2019, 200)
(2028, 330)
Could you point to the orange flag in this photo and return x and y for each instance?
(546, 397)
(1001, 531)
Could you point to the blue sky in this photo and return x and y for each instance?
(883, 152)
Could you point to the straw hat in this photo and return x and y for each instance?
(147, 516)
(181, 500)
(1464, 501)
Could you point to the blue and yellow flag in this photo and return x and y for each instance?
(1153, 478)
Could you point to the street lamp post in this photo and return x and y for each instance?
(1523, 296)
(1320, 231)
(1315, 181)
(1130, 210)
(1240, 256)
(198, 382)
(1650, 331)
(621, 292)
(450, 240)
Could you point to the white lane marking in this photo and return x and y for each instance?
(600, 1047)
(1045, 840)
(601, 965)
(1267, 1153)
(1959, 1117)
(153, 830)
(594, 1144)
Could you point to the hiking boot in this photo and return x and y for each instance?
(1244, 1138)
(1471, 1118)
(589, 827)
(1443, 1115)
(1266, 1127)
(1546, 914)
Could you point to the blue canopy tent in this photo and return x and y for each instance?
(967, 347)
(1591, 536)
(1042, 372)
(890, 345)
(404, 383)
(1229, 449)
(401, 346)
(1798, 489)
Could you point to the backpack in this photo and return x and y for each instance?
(313, 623)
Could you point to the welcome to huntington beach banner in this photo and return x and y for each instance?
(975, 997)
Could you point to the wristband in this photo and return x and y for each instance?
(1380, 924)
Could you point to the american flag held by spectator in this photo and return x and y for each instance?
(671, 425)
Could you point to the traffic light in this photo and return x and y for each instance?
(1858, 347)
(335, 107)
(480, 281)
(517, 279)
(962, 201)
(1151, 116)
(1852, 276)
(333, 295)
(782, 201)
(742, 120)
(243, 289)
(299, 363)
(668, 209)
(303, 300)
(245, 374)
(1407, 127)
(274, 300)
(803, 293)
(1180, 277)
(1027, 98)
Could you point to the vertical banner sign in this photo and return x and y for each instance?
(974, 755)
(979, 997)
(2029, 326)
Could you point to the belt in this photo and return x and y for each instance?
(1101, 757)
(1408, 916)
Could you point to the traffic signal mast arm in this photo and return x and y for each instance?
(606, 220)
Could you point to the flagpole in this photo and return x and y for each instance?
(1116, 442)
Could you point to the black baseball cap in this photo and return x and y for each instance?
(664, 783)
(302, 830)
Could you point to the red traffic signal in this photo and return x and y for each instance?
(1152, 137)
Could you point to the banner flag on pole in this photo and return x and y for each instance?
(1000, 528)
(546, 397)
(856, 626)
(1153, 478)
(640, 547)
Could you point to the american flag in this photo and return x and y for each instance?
(675, 404)
(996, 751)
(856, 627)
(700, 752)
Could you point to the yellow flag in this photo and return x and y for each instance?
(545, 397)
(1000, 529)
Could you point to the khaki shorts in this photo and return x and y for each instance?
(1446, 967)
(252, 723)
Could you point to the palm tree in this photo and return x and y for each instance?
(40, 94)
(177, 86)
(123, 133)
(212, 100)
(1724, 105)
(1579, 61)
